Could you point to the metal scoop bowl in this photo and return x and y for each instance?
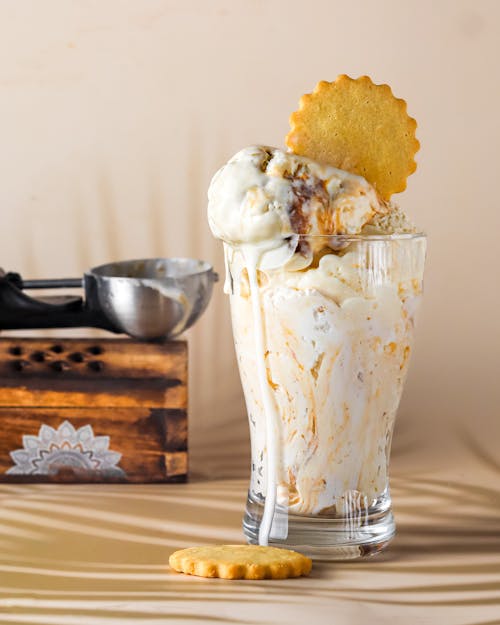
(151, 299)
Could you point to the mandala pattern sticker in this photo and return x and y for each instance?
(67, 447)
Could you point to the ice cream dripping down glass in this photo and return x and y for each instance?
(323, 329)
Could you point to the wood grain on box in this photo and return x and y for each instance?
(87, 410)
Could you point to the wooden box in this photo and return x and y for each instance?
(83, 410)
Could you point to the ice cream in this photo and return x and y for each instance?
(337, 343)
(264, 196)
(323, 307)
(263, 193)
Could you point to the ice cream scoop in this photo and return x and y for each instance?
(264, 196)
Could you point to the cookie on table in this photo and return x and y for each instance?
(240, 562)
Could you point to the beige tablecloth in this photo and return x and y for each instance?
(94, 554)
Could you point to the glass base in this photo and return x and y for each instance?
(325, 538)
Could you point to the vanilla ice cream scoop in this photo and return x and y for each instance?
(264, 195)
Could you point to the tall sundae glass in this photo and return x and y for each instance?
(323, 354)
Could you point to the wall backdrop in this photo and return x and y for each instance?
(114, 115)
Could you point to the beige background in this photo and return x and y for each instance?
(114, 115)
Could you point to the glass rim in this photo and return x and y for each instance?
(406, 236)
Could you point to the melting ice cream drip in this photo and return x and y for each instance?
(251, 257)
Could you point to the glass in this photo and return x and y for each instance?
(323, 332)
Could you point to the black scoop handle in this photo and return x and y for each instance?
(19, 311)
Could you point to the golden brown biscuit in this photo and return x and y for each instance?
(360, 127)
(240, 562)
